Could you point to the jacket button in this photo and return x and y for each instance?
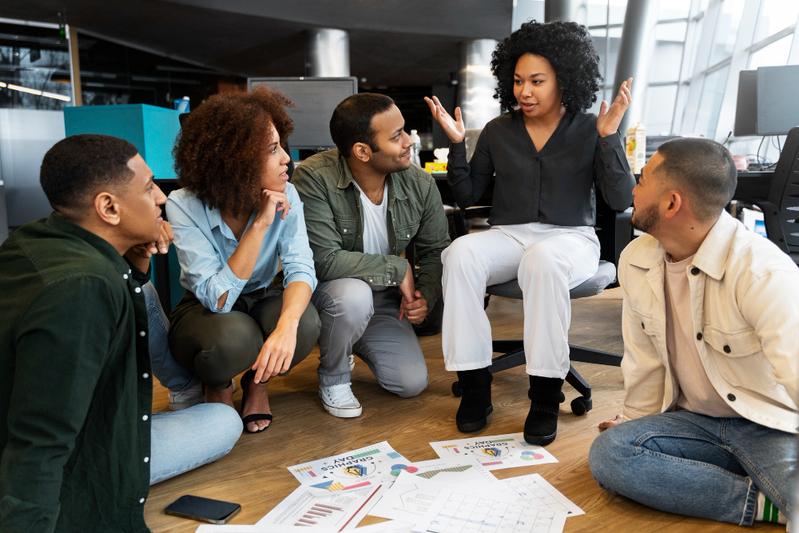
(727, 349)
(731, 397)
(699, 336)
(536, 160)
(345, 230)
(695, 271)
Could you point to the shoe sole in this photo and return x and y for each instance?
(540, 440)
(469, 427)
(348, 412)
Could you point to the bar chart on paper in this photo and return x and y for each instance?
(455, 512)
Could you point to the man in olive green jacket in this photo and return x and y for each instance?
(363, 203)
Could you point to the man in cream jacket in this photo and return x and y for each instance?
(711, 351)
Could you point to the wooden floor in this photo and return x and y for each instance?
(255, 473)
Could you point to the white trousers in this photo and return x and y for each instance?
(547, 260)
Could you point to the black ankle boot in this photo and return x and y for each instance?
(476, 400)
(541, 425)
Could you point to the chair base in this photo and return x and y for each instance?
(513, 356)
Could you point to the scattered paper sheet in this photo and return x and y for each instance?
(411, 496)
(458, 512)
(457, 470)
(392, 526)
(267, 528)
(495, 452)
(539, 493)
(369, 466)
(342, 510)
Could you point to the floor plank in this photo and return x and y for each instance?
(255, 473)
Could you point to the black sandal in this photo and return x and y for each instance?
(246, 380)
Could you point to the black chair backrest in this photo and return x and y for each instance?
(784, 195)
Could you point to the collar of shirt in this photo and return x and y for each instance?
(345, 180)
(711, 257)
(103, 246)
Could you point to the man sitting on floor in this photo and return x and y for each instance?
(80, 446)
(364, 202)
(711, 351)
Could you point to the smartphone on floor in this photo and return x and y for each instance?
(203, 509)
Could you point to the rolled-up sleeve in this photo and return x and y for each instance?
(295, 252)
(204, 272)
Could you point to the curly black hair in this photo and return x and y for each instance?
(221, 149)
(569, 49)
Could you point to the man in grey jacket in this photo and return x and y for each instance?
(364, 202)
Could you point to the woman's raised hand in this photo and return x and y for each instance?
(454, 128)
(607, 123)
(271, 203)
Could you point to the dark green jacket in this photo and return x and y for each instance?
(76, 389)
(334, 221)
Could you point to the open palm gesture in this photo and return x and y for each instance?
(607, 123)
(454, 128)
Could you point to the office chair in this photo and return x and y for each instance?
(614, 233)
(781, 207)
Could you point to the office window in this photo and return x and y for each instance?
(669, 43)
(726, 30)
(30, 70)
(775, 16)
(659, 111)
(707, 115)
(772, 55)
(674, 9)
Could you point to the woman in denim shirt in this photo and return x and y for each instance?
(236, 221)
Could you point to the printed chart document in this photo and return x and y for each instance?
(458, 470)
(368, 466)
(459, 512)
(411, 496)
(340, 511)
(268, 528)
(539, 493)
(495, 452)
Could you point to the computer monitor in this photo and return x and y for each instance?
(746, 105)
(777, 104)
(315, 98)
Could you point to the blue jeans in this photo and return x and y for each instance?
(183, 440)
(169, 372)
(696, 465)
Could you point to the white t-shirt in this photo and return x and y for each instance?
(375, 227)
(697, 394)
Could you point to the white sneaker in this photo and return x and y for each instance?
(338, 400)
(188, 397)
(352, 362)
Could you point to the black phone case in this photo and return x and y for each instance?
(203, 509)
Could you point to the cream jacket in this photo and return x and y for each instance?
(745, 310)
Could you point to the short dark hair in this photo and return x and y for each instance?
(352, 121)
(75, 169)
(221, 149)
(569, 49)
(703, 170)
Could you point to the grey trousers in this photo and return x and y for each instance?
(218, 346)
(357, 320)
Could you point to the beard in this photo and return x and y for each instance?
(646, 220)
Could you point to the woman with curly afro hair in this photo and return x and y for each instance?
(546, 157)
(236, 220)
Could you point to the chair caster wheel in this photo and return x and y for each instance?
(581, 405)
(456, 389)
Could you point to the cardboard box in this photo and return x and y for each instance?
(635, 147)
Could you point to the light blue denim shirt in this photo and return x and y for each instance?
(204, 243)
